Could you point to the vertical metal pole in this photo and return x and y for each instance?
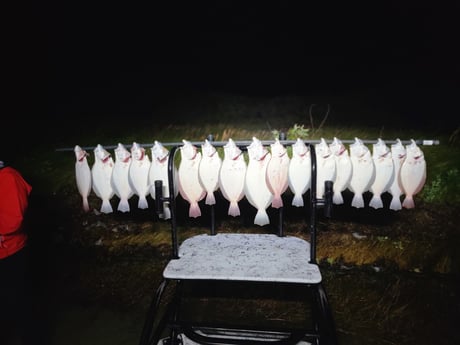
(172, 202)
(313, 204)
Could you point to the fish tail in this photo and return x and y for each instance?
(337, 198)
(395, 204)
(194, 210)
(408, 202)
(85, 205)
(297, 201)
(123, 205)
(233, 209)
(106, 207)
(376, 202)
(277, 201)
(261, 218)
(210, 199)
(143, 204)
(357, 201)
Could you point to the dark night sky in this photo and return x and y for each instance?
(64, 53)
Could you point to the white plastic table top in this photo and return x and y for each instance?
(244, 257)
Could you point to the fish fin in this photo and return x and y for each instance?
(297, 201)
(85, 205)
(358, 201)
(261, 218)
(277, 201)
(143, 204)
(233, 209)
(123, 205)
(194, 210)
(106, 207)
(408, 202)
(210, 199)
(376, 202)
(337, 198)
(395, 204)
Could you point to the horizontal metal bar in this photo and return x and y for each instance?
(423, 142)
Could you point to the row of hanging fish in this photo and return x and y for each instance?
(398, 170)
(131, 173)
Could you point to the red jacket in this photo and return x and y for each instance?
(14, 194)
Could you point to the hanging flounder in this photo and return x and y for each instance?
(277, 173)
(232, 175)
(398, 154)
(344, 170)
(384, 172)
(363, 172)
(208, 171)
(255, 186)
(82, 175)
(120, 177)
(159, 172)
(101, 174)
(299, 174)
(413, 173)
(325, 164)
(139, 174)
(189, 183)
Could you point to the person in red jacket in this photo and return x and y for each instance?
(14, 200)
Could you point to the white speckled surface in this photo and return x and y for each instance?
(245, 257)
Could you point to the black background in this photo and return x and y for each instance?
(119, 58)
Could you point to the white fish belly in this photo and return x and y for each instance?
(256, 189)
(231, 179)
(101, 177)
(413, 177)
(83, 178)
(384, 171)
(326, 171)
(159, 172)
(138, 178)
(277, 175)
(344, 170)
(120, 180)
(189, 183)
(362, 177)
(299, 178)
(208, 173)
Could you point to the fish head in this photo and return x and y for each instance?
(322, 149)
(380, 149)
(398, 151)
(299, 148)
(256, 150)
(101, 154)
(188, 150)
(231, 151)
(80, 154)
(413, 152)
(122, 154)
(137, 152)
(277, 149)
(159, 151)
(337, 147)
(207, 149)
(358, 149)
